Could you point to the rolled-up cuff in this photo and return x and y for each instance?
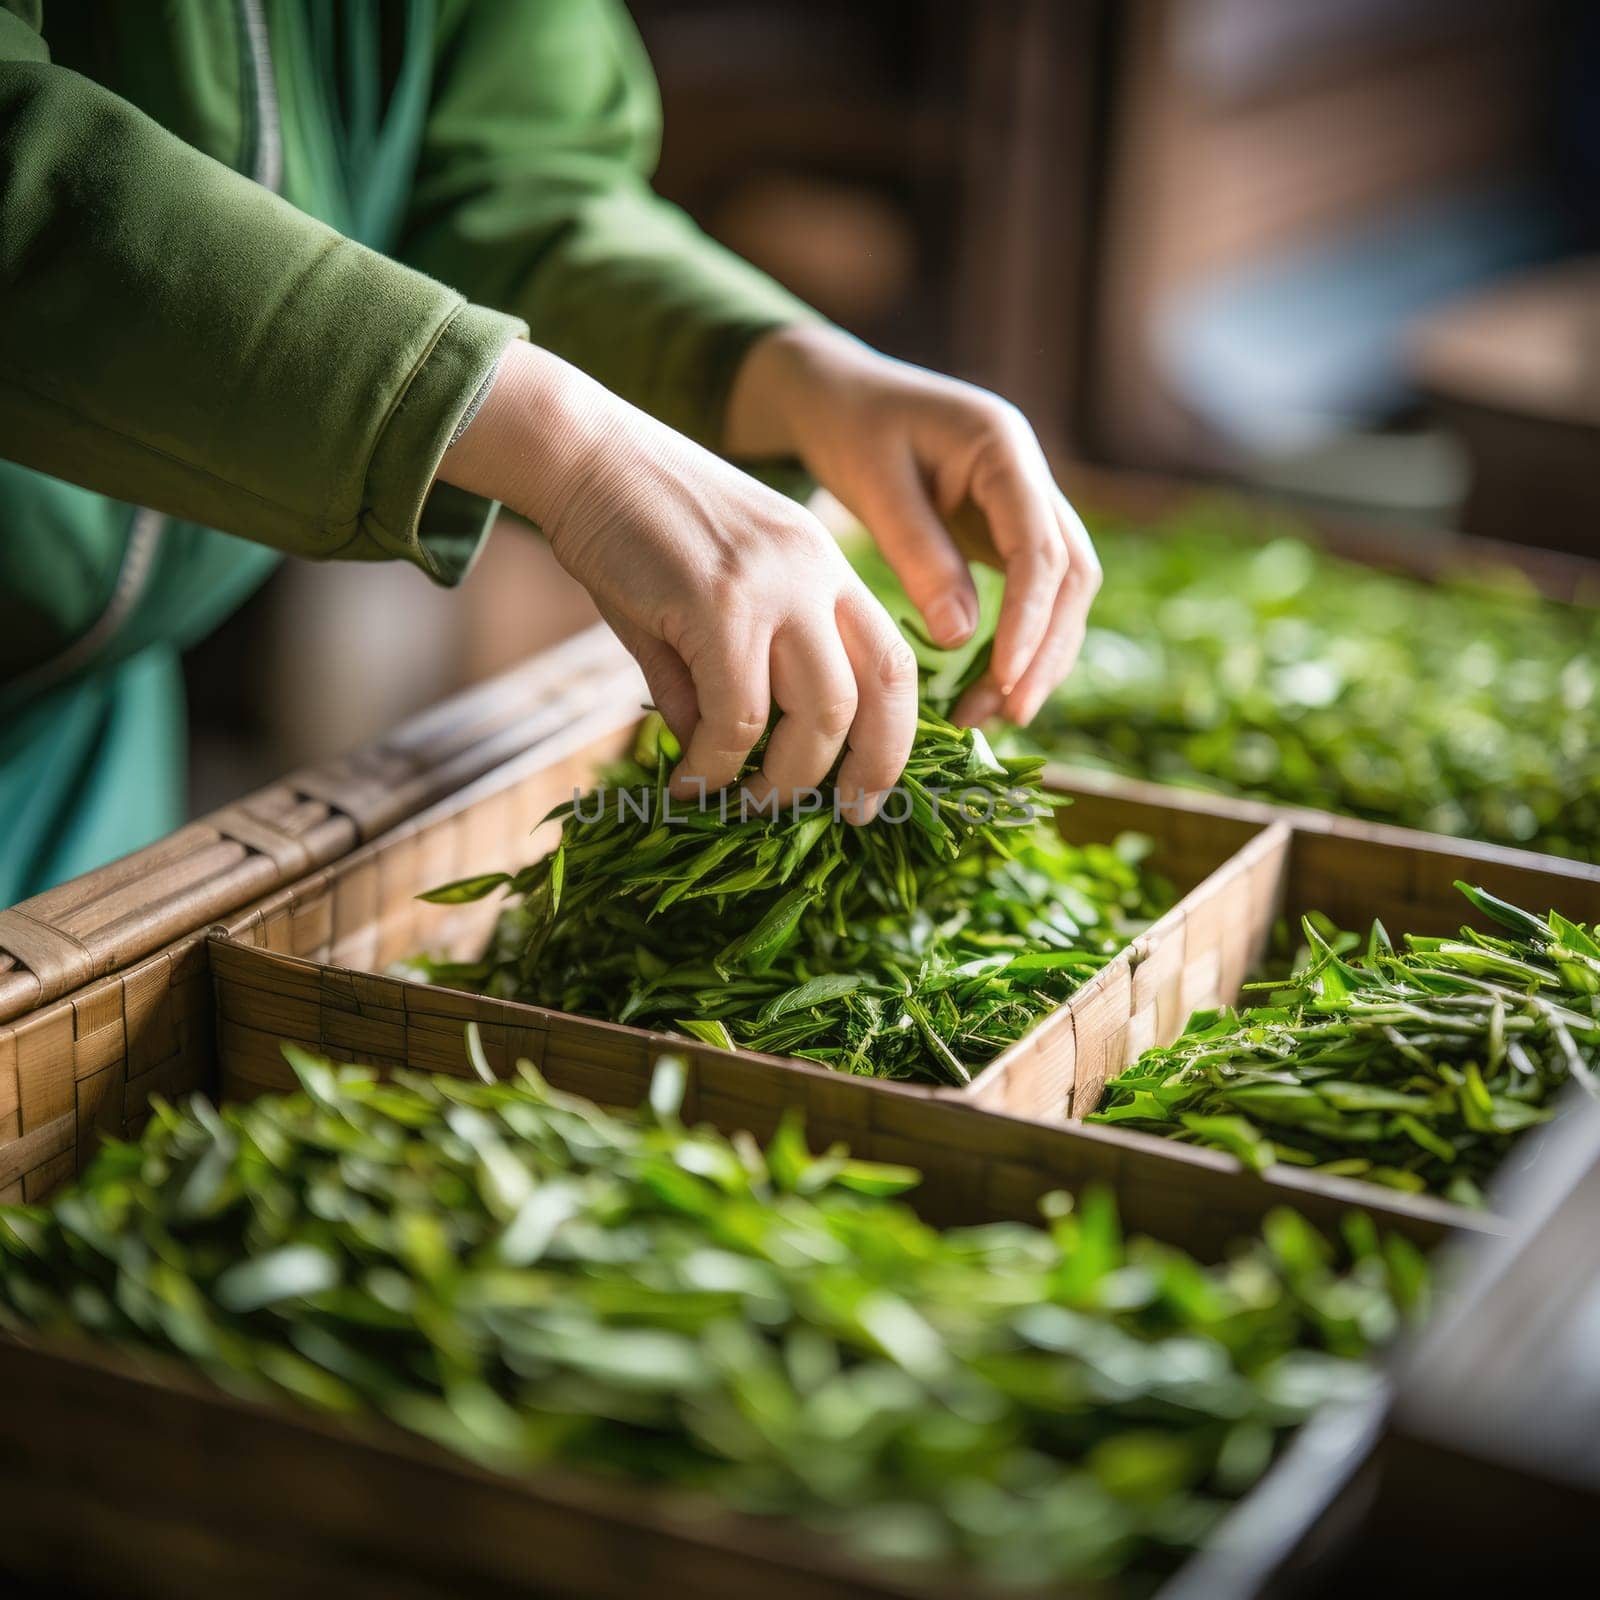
(404, 511)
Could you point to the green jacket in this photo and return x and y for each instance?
(182, 350)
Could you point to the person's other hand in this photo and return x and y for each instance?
(939, 471)
(730, 596)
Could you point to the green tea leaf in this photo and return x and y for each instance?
(464, 889)
(289, 1273)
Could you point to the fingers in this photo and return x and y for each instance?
(981, 703)
(815, 687)
(1069, 619)
(1022, 522)
(925, 559)
(733, 693)
(886, 715)
(672, 690)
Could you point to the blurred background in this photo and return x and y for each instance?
(1343, 250)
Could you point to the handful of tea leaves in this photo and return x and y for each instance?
(1413, 1067)
(530, 1280)
(909, 948)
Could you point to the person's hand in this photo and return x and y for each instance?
(728, 594)
(938, 470)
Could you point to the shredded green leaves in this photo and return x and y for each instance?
(1415, 1067)
(532, 1281)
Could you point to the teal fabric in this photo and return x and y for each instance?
(113, 743)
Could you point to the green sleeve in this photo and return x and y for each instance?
(533, 194)
(173, 335)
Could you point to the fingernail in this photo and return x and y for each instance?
(951, 618)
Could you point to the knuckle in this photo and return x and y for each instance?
(1083, 576)
(833, 717)
(1003, 419)
(897, 665)
(806, 530)
(1053, 561)
(743, 725)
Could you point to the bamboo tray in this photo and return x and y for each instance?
(83, 1046)
(1352, 871)
(107, 920)
(342, 927)
(1239, 865)
(111, 1463)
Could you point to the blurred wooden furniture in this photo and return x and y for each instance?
(919, 170)
(1516, 370)
(1243, 131)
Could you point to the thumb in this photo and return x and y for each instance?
(915, 542)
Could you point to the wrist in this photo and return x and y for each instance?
(534, 437)
(781, 371)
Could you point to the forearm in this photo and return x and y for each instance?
(534, 436)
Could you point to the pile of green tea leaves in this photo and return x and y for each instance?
(1274, 669)
(1414, 1067)
(1225, 651)
(910, 949)
(533, 1281)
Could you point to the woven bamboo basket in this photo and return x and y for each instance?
(1199, 954)
(111, 1463)
(85, 1041)
(1231, 860)
(107, 920)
